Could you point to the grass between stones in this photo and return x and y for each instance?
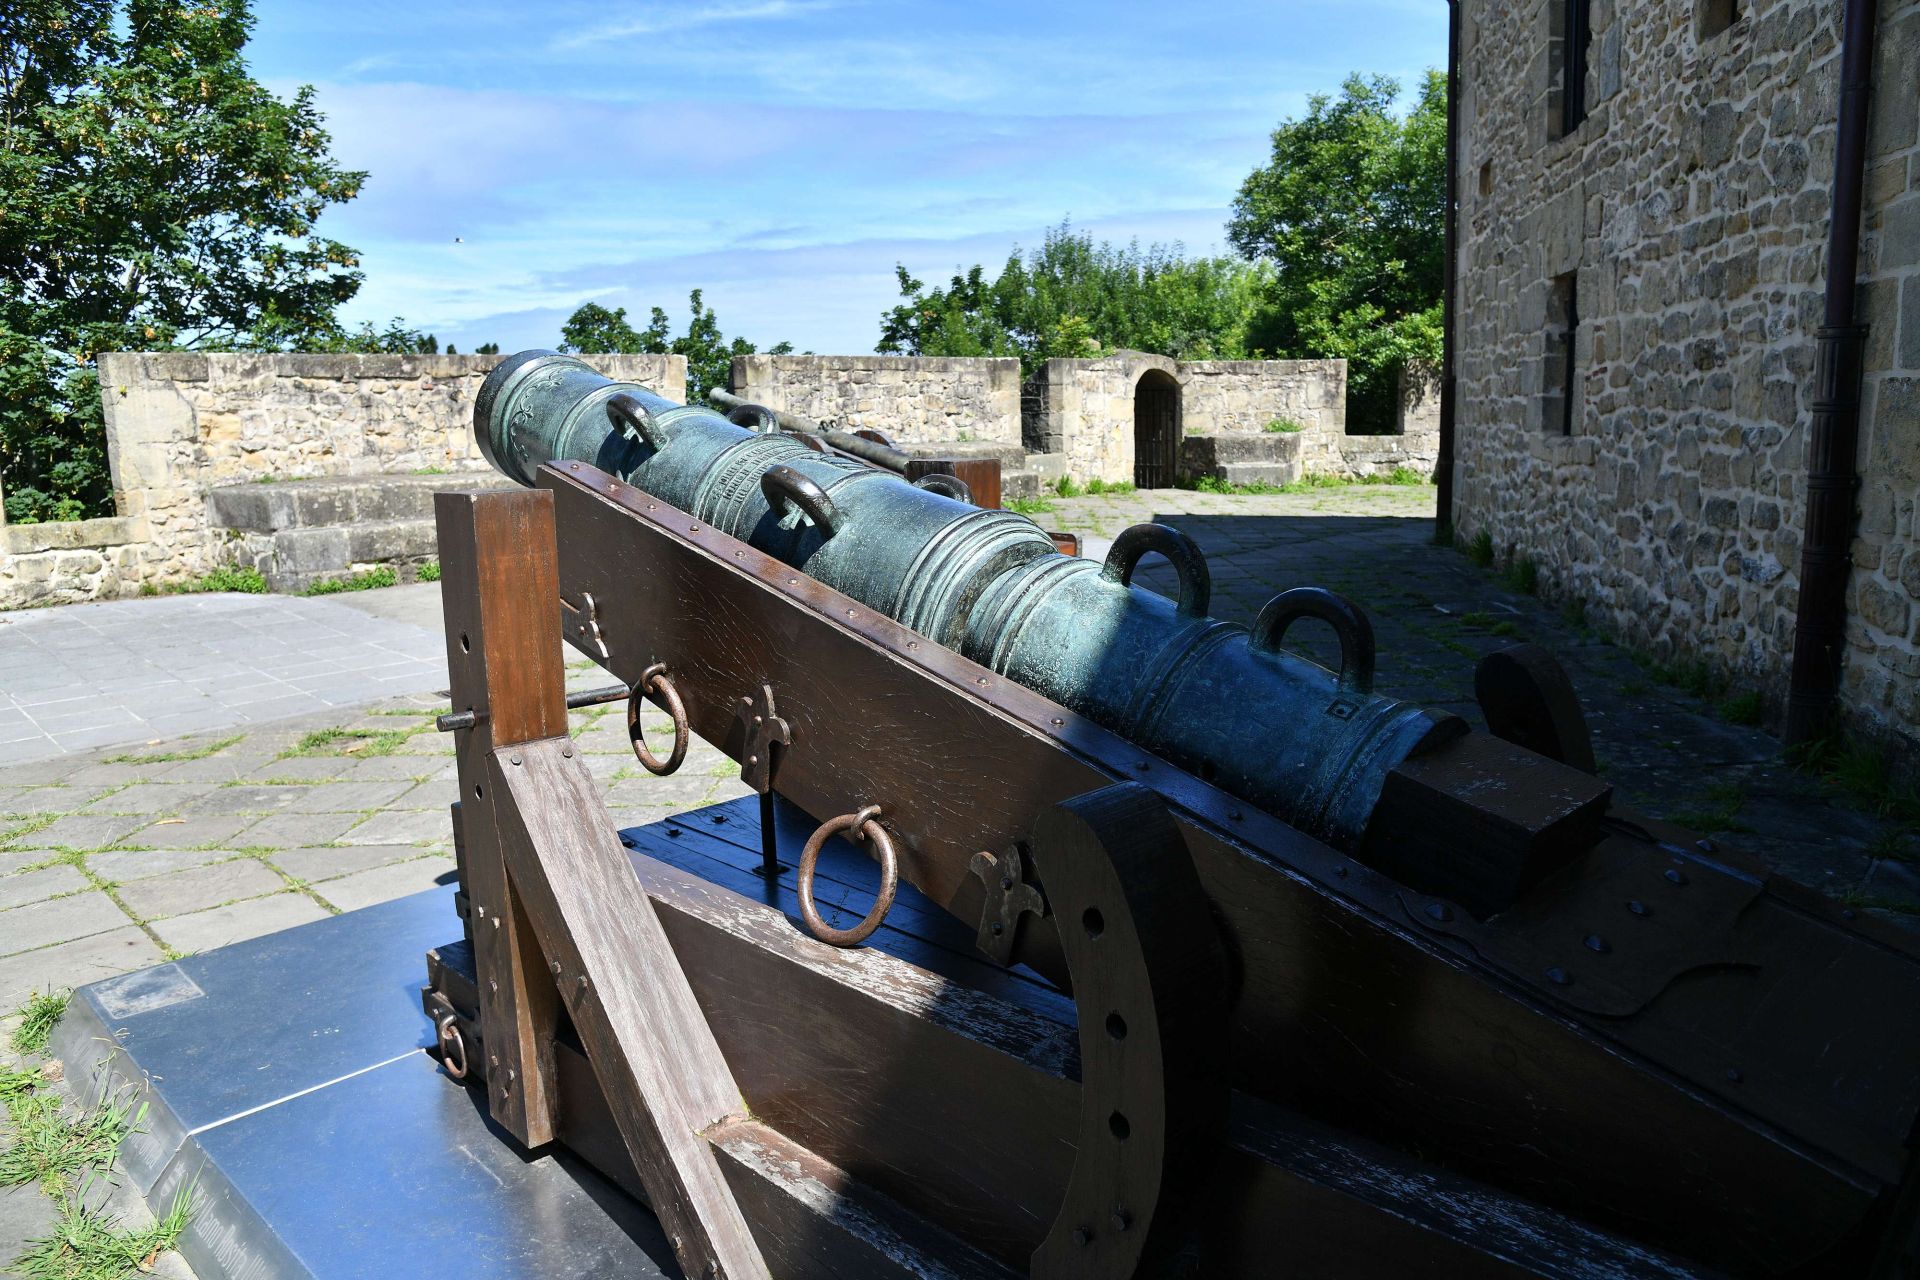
(169, 757)
(71, 1158)
(359, 743)
(371, 580)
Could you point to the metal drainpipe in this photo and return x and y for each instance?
(1443, 469)
(1833, 434)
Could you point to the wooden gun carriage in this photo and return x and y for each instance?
(1117, 1022)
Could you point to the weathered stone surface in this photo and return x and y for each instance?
(910, 399)
(205, 930)
(177, 893)
(1674, 511)
(117, 950)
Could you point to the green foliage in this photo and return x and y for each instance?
(1480, 550)
(1284, 426)
(1522, 575)
(87, 1243)
(244, 579)
(1307, 483)
(1099, 486)
(1350, 211)
(1742, 708)
(48, 1147)
(593, 329)
(38, 1017)
(1028, 506)
(1073, 297)
(1065, 487)
(430, 571)
(154, 195)
(397, 339)
(372, 579)
(1863, 771)
(358, 743)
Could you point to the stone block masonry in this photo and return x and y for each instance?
(182, 424)
(909, 399)
(1638, 301)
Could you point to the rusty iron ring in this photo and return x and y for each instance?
(447, 1031)
(654, 680)
(865, 828)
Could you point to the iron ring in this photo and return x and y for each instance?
(654, 680)
(447, 1032)
(863, 824)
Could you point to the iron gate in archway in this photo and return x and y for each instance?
(1156, 430)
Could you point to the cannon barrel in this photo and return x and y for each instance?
(1309, 745)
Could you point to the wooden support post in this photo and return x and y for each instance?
(654, 1055)
(499, 584)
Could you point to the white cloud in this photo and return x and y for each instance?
(687, 19)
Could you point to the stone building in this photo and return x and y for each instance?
(1124, 416)
(1644, 200)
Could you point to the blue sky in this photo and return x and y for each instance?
(784, 154)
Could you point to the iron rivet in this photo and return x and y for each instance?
(1598, 944)
(555, 966)
(482, 911)
(981, 681)
(1122, 1219)
(1676, 876)
(850, 613)
(1438, 911)
(1142, 766)
(567, 751)
(581, 982)
(1082, 1237)
(673, 832)
(793, 582)
(1559, 977)
(627, 841)
(496, 922)
(1057, 722)
(494, 1058)
(493, 986)
(511, 1075)
(998, 929)
(1638, 907)
(1341, 872)
(1733, 1075)
(1006, 882)
(513, 759)
(693, 528)
(1235, 814)
(1705, 846)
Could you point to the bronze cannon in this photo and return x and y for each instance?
(1279, 977)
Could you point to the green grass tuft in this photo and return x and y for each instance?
(372, 579)
(361, 744)
(87, 1243)
(167, 757)
(1029, 506)
(1742, 708)
(1480, 550)
(38, 1017)
(1284, 426)
(1065, 487)
(247, 581)
(1523, 575)
(430, 571)
(50, 1148)
(1097, 486)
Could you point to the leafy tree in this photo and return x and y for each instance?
(152, 194)
(1072, 297)
(1350, 211)
(594, 329)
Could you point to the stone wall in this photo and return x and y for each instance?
(1685, 220)
(180, 424)
(69, 561)
(1083, 410)
(1219, 396)
(909, 399)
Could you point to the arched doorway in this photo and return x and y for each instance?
(1156, 429)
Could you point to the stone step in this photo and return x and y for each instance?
(1266, 457)
(337, 500)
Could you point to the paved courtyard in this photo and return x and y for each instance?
(221, 821)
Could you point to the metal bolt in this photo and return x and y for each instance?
(1598, 944)
(494, 1059)
(1638, 907)
(1057, 722)
(1006, 882)
(555, 966)
(581, 983)
(1341, 872)
(482, 911)
(1676, 876)
(1439, 911)
(1559, 977)
(1705, 846)
(496, 922)
(567, 751)
(1121, 1219)
(1082, 1237)
(513, 759)
(1235, 814)
(998, 929)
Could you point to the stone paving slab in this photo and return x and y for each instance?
(128, 671)
(236, 922)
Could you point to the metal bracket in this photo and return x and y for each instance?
(583, 625)
(766, 733)
(1009, 897)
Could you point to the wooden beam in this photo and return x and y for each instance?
(498, 584)
(652, 1052)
